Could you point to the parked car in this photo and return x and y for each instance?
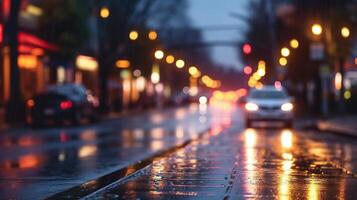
(269, 104)
(59, 103)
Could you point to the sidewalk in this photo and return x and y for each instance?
(346, 125)
(4, 127)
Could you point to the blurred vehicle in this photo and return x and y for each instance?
(59, 103)
(269, 104)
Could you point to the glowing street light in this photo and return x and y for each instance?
(345, 32)
(170, 59)
(316, 29)
(194, 72)
(180, 64)
(256, 76)
(285, 52)
(283, 61)
(159, 54)
(261, 63)
(122, 64)
(294, 43)
(133, 35)
(104, 12)
(261, 72)
(152, 35)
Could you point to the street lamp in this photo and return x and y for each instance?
(159, 54)
(285, 52)
(261, 72)
(261, 64)
(316, 29)
(152, 35)
(194, 72)
(294, 43)
(180, 64)
(170, 59)
(345, 32)
(283, 61)
(133, 35)
(104, 12)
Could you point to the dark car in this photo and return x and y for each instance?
(61, 103)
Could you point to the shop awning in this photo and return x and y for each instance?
(29, 41)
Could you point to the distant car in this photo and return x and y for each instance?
(58, 103)
(269, 104)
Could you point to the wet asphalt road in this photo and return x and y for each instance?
(35, 164)
(226, 162)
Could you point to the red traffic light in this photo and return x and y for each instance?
(247, 48)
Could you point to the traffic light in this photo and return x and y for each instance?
(247, 48)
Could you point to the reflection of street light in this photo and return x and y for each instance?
(159, 54)
(104, 12)
(133, 35)
(152, 35)
(285, 52)
(283, 61)
(155, 75)
(345, 32)
(180, 63)
(316, 29)
(294, 43)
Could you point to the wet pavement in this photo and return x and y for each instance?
(226, 161)
(237, 163)
(35, 164)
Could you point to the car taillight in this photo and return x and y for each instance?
(65, 105)
(30, 103)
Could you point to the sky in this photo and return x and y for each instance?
(217, 13)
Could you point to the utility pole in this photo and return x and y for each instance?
(270, 6)
(103, 68)
(14, 111)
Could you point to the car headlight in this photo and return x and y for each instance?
(286, 107)
(251, 107)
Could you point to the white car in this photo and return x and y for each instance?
(269, 104)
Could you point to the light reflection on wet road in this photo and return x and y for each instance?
(37, 163)
(232, 163)
(226, 162)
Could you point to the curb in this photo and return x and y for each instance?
(89, 187)
(111, 117)
(334, 128)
